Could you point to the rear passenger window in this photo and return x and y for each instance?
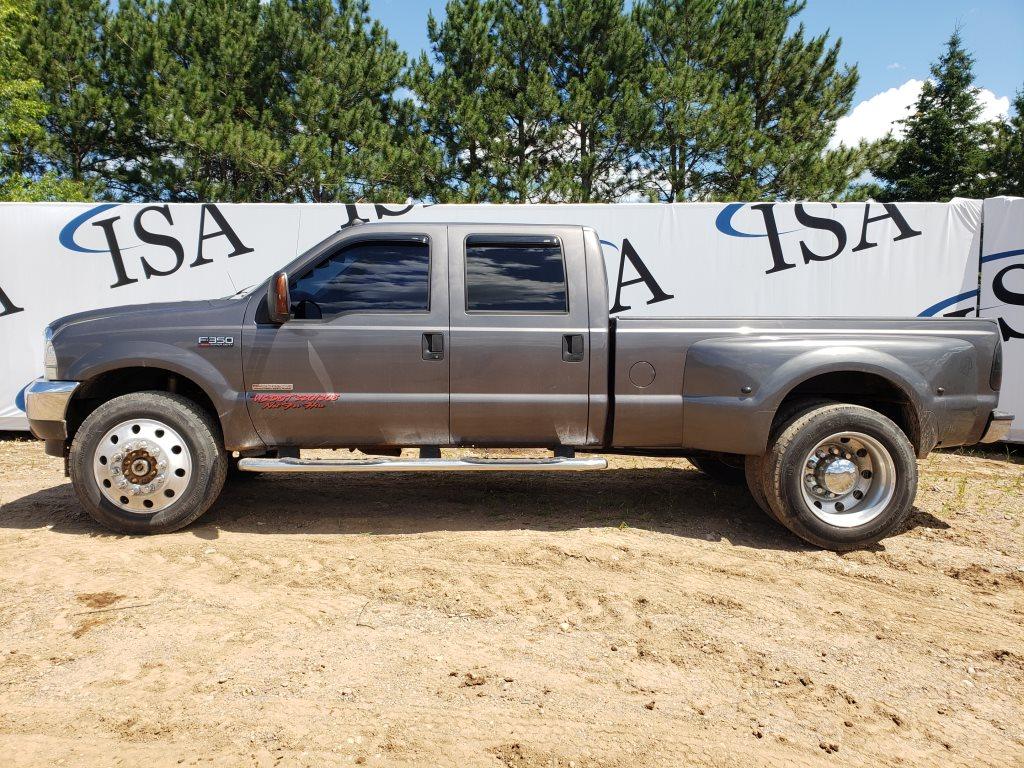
(515, 274)
(367, 276)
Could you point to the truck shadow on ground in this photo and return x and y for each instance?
(664, 500)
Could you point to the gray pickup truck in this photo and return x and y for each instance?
(391, 336)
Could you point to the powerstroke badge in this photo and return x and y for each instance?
(304, 400)
(271, 387)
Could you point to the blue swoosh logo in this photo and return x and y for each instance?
(67, 235)
(945, 303)
(1003, 255)
(724, 223)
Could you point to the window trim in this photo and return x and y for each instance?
(371, 237)
(513, 239)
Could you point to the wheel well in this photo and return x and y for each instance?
(860, 388)
(106, 386)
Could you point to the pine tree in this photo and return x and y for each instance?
(458, 100)
(694, 113)
(66, 49)
(527, 102)
(347, 134)
(209, 107)
(793, 92)
(1005, 162)
(600, 71)
(942, 153)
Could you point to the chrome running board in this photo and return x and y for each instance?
(420, 465)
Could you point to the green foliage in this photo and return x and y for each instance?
(531, 132)
(21, 109)
(792, 93)
(20, 105)
(600, 71)
(942, 154)
(1004, 166)
(346, 134)
(695, 113)
(516, 101)
(235, 101)
(458, 103)
(66, 47)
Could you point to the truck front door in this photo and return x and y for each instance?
(364, 359)
(520, 344)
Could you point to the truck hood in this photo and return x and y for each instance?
(142, 315)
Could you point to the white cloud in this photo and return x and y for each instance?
(894, 65)
(875, 117)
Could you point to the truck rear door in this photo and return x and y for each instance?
(520, 344)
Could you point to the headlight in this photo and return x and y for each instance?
(49, 355)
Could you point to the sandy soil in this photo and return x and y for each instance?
(642, 616)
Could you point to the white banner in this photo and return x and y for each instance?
(852, 259)
(1002, 297)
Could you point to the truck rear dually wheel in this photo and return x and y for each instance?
(840, 476)
(147, 462)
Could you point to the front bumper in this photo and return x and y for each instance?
(46, 405)
(998, 427)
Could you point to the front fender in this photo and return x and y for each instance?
(218, 376)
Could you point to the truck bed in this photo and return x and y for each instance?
(716, 383)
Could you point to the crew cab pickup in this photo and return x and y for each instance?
(392, 336)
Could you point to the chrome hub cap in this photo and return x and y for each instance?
(848, 479)
(142, 466)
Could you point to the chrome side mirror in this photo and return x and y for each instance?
(278, 299)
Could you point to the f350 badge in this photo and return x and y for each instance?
(216, 341)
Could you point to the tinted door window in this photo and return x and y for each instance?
(368, 276)
(512, 274)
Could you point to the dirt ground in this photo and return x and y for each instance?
(641, 616)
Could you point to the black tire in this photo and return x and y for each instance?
(893, 481)
(753, 466)
(728, 470)
(199, 488)
(753, 475)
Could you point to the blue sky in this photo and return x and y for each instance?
(892, 42)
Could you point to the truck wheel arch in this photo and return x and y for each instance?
(117, 381)
(881, 391)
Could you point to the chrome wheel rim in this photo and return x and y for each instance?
(142, 466)
(848, 479)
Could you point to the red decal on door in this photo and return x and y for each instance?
(304, 400)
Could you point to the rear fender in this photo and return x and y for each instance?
(733, 387)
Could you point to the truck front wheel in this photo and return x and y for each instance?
(147, 462)
(840, 476)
